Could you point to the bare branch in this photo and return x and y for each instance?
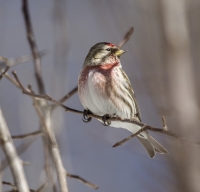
(46, 97)
(37, 64)
(66, 97)
(53, 149)
(126, 37)
(83, 181)
(20, 150)
(13, 186)
(12, 157)
(33, 46)
(27, 135)
(71, 93)
(9, 184)
(11, 80)
(145, 128)
(10, 62)
(44, 110)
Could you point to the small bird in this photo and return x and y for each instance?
(104, 89)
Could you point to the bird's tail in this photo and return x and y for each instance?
(151, 145)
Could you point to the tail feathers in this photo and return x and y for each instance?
(158, 147)
(151, 145)
(148, 146)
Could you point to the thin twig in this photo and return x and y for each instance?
(3, 73)
(66, 97)
(9, 184)
(46, 97)
(145, 128)
(71, 93)
(126, 37)
(12, 157)
(33, 46)
(41, 187)
(83, 180)
(14, 187)
(27, 135)
(10, 62)
(11, 80)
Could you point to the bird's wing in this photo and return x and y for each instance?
(138, 114)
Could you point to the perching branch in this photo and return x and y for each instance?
(133, 121)
(12, 157)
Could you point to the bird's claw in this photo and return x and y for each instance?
(105, 120)
(86, 118)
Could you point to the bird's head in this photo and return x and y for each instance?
(103, 53)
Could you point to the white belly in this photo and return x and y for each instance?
(93, 96)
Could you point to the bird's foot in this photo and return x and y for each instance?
(86, 118)
(105, 119)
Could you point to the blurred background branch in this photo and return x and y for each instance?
(12, 157)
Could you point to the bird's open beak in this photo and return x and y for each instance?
(119, 52)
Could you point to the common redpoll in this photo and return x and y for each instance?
(104, 88)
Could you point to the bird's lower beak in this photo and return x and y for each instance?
(119, 52)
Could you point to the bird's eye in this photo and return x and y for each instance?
(108, 49)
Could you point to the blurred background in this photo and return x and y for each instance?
(162, 62)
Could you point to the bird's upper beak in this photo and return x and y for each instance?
(119, 52)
